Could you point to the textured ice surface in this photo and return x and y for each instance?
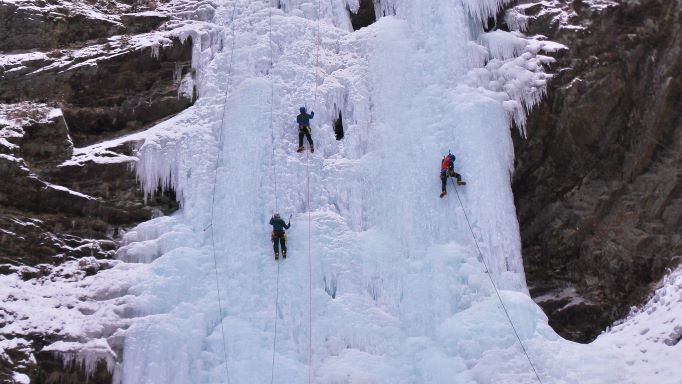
(651, 337)
(399, 294)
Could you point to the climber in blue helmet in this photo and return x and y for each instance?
(303, 120)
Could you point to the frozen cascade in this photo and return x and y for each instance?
(399, 294)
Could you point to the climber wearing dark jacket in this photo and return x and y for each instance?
(279, 237)
(447, 169)
(303, 120)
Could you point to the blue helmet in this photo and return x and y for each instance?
(302, 109)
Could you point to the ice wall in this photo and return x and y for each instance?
(398, 290)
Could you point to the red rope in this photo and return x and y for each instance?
(310, 283)
(310, 263)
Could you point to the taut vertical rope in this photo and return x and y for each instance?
(272, 101)
(310, 283)
(215, 182)
(274, 172)
(499, 297)
(274, 339)
(310, 266)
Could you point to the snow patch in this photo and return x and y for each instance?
(649, 338)
(69, 191)
(20, 378)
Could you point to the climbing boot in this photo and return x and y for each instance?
(277, 256)
(300, 149)
(443, 194)
(460, 182)
(312, 148)
(284, 255)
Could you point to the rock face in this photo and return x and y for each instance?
(104, 89)
(597, 182)
(73, 74)
(52, 24)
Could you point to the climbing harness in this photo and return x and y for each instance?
(499, 297)
(215, 182)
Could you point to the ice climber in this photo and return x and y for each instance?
(279, 237)
(303, 120)
(447, 169)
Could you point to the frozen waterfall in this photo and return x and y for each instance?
(399, 293)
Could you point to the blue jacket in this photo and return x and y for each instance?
(278, 225)
(304, 118)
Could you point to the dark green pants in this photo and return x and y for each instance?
(279, 238)
(444, 177)
(304, 131)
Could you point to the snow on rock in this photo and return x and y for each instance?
(72, 7)
(20, 378)
(69, 191)
(650, 338)
(11, 344)
(14, 117)
(103, 153)
(82, 302)
(26, 113)
(560, 13)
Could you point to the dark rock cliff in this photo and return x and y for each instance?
(73, 74)
(597, 182)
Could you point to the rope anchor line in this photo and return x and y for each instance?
(215, 182)
(497, 292)
(274, 339)
(274, 171)
(307, 160)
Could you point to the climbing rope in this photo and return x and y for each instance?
(310, 264)
(310, 278)
(274, 171)
(274, 339)
(499, 297)
(272, 101)
(215, 182)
